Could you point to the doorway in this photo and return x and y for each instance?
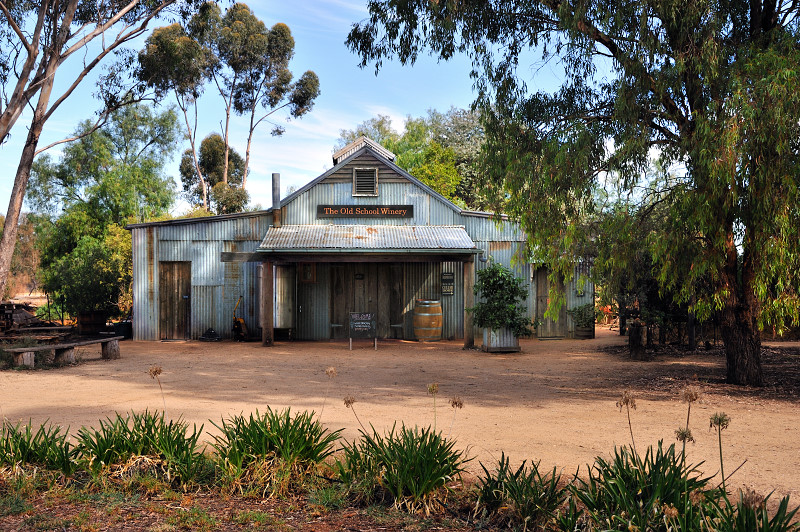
(174, 300)
(371, 287)
(548, 327)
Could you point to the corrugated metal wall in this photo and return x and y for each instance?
(427, 210)
(216, 286)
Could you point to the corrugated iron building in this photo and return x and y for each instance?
(364, 236)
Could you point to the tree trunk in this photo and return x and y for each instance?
(742, 349)
(635, 341)
(691, 329)
(740, 332)
(9, 239)
(622, 317)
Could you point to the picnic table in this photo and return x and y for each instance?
(64, 353)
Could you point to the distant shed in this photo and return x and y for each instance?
(365, 236)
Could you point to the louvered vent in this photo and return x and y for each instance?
(365, 182)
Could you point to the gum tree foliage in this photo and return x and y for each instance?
(38, 38)
(174, 63)
(709, 88)
(245, 61)
(227, 195)
(105, 179)
(440, 149)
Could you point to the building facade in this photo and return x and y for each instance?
(363, 237)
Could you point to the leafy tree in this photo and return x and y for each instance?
(107, 178)
(430, 148)
(174, 63)
(114, 173)
(249, 66)
(227, 194)
(711, 88)
(40, 37)
(378, 129)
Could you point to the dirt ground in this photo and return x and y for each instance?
(554, 402)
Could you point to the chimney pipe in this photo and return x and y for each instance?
(276, 199)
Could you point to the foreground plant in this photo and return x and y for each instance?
(689, 395)
(154, 372)
(45, 447)
(411, 466)
(143, 443)
(331, 373)
(720, 422)
(433, 389)
(456, 404)
(634, 493)
(522, 497)
(628, 402)
(271, 451)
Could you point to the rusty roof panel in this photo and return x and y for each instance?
(371, 237)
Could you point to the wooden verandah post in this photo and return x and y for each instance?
(469, 301)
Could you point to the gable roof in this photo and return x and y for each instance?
(367, 148)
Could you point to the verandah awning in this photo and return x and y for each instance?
(378, 242)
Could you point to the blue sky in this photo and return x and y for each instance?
(349, 96)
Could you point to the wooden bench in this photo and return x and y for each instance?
(65, 353)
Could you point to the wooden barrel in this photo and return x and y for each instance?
(428, 320)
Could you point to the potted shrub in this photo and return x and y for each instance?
(584, 318)
(499, 310)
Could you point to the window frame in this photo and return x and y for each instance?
(372, 169)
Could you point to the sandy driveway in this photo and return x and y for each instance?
(554, 402)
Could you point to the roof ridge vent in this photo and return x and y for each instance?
(359, 143)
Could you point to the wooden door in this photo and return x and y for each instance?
(390, 300)
(548, 327)
(367, 287)
(174, 300)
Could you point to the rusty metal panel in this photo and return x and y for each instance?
(207, 311)
(579, 291)
(484, 227)
(145, 283)
(207, 269)
(285, 296)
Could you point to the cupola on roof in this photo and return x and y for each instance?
(359, 143)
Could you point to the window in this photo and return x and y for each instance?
(365, 181)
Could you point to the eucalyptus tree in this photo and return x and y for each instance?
(246, 62)
(174, 63)
(40, 37)
(227, 195)
(106, 178)
(711, 89)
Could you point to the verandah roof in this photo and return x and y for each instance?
(367, 238)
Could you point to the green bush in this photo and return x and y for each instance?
(171, 448)
(46, 447)
(629, 492)
(412, 466)
(522, 497)
(502, 294)
(272, 450)
(583, 315)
